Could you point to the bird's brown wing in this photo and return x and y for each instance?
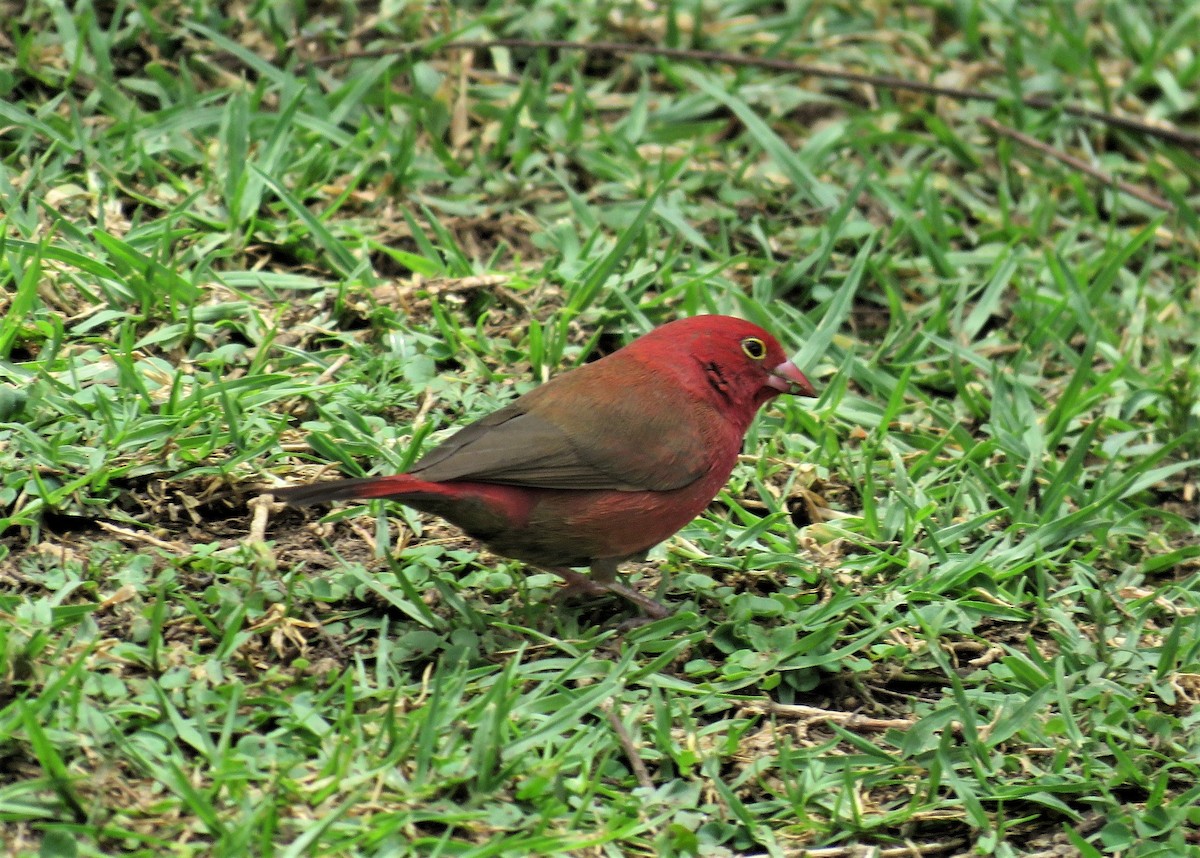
(554, 437)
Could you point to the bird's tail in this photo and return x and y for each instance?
(397, 486)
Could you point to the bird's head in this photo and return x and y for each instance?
(731, 359)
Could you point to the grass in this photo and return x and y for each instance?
(951, 608)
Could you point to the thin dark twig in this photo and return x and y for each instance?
(884, 81)
(631, 752)
(1079, 164)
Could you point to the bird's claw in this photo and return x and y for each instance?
(578, 583)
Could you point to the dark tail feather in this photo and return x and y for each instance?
(368, 487)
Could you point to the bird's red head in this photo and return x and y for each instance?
(739, 361)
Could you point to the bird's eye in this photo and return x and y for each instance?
(754, 348)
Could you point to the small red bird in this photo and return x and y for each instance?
(601, 463)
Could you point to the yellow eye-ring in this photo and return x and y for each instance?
(754, 348)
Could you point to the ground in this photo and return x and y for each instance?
(948, 608)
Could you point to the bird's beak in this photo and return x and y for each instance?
(787, 379)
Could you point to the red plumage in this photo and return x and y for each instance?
(599, 464)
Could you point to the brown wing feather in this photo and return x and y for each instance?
(564, 435)
(517, 449)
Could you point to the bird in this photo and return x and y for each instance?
(602, 462)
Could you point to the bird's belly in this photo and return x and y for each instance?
(577, 528)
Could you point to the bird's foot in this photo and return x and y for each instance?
(579, 584)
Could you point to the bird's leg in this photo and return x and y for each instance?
(603, 581)
(578, 584)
